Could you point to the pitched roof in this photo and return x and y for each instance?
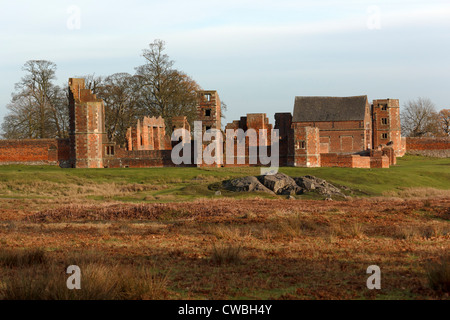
(329, 108)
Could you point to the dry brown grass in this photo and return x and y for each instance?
(418, 193)
(286, 249)
(407, 232)
(421, 231)
(113, 211)
(101, 279)
(296, 225)
(351, 230)
(225, 253)
(438, 274)
(435, 230)
(22, 258)
(230, 233)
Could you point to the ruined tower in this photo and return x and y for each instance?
(87, 126)
(209, 113)
(209, 110)
(386, 124)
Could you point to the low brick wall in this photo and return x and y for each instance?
(385, 151)
(379, 162)
(335, 160)
(360, 162)
(34, 151)
(139, 159)
(431, 147)
(344, 160)
(353, 161)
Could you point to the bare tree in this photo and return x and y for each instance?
(444, 122)
(417, 117)
(223, 109)
(38, 108)
(165, 92)
(21, 121)
(120, 92)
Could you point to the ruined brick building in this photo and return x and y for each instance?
(321, 131)
(346, 131)
(336, 131)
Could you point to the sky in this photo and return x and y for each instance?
(258, 55)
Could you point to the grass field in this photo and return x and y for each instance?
(162, 233)
(180, 184)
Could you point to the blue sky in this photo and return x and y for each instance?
(259, 55)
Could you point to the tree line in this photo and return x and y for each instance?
(39, 108)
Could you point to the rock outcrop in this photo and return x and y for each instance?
(282, 184)
(245, 184)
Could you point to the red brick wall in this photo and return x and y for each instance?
(149, 134)
(434, 147)
(360, 162)
(379, 162)
(306, 146)
(344, 160)
(341, 136)
(335, 160)
(390, 153)
(354, 161)
(140, 159)
(64, 153)
(35, 151)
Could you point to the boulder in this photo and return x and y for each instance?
(245, 184)
(280, 184)
(323, 187)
